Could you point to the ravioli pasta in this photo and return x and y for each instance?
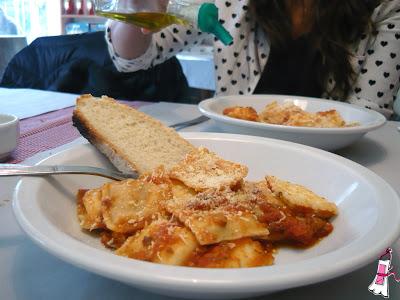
(203, 213)
(290, 115)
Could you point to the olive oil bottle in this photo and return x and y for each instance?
(150, 20)
(202, 16)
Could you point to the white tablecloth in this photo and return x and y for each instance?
(25, 103)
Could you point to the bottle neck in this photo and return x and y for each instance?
(188, 12)
(203, 17)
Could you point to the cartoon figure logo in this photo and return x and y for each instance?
(380, 285)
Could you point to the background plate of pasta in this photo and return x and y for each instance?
(203, 241)
(320, 123)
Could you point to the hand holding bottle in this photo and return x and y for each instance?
(154, 15)
(148, 16)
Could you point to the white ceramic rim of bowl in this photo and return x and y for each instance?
(255, 280)
(12, 120)
(380, 120)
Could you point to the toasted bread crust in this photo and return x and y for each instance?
(90, 133)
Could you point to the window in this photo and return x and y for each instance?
(30, 18)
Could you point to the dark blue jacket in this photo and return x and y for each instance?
(81, 64)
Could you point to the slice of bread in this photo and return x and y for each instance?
(132, 140)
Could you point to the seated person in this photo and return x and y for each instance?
(343, 50)
(81, 64)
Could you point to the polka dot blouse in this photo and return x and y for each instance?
(238, 67)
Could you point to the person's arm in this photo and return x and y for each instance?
(378, 82)
(152, 50)
(123, 36)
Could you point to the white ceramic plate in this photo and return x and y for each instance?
(367, 223)
(324, 138)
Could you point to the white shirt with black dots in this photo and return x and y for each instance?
(238, 67)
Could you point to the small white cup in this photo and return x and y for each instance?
(9, 134)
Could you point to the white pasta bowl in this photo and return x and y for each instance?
(323, 138)
(367, 222)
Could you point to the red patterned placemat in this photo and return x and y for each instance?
(48, 131)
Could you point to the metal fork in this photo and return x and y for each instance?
(192, 122)
(22, 170)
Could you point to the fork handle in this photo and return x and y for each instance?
(19, 170)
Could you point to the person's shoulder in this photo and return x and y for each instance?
(386, 9)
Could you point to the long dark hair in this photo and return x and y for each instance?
(337, 25)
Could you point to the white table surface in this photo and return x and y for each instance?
(28, 272)
(25, 103)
